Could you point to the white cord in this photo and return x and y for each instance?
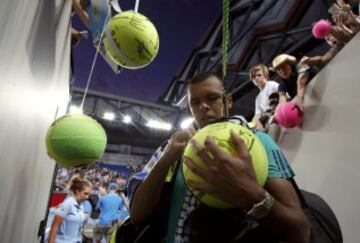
(94, 61)
(136, 6)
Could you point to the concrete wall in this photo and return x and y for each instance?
(325, 153)
(34, 89)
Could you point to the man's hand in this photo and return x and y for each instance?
(76, 37)
(147, 195)
(231, 179)
(345, 16)
(299, 102)
(304, 60)
(178, 142)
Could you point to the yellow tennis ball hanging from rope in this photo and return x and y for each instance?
(221, 135)
(75, 140)
(131, 40)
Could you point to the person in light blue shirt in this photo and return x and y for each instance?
(87, 209)
(88, 222)
(123, 213)
(69, 215)
(110, 206)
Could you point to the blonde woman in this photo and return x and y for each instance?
(69, 216)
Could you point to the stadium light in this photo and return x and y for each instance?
(75, 110)
(109, 116)
(159, 125)
(186, 122)
(127, 119)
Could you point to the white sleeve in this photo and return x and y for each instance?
(274, 87)
(63, 209)
(257, 106)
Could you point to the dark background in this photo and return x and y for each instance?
(181, 24)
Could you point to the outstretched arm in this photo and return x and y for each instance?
(147, 195)
(301, 83)
(257, 122)
(315, 60)
(80, 9)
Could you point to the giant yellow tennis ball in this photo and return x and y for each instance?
(131, 40)
(75, 140)
(221, 135)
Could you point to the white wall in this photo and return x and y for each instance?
(34, 77)
(325, 154)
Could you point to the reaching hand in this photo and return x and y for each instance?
(299, 102)
(76, 37)
(304, 60)
(230, 178)
(178, 141)
(345, 16)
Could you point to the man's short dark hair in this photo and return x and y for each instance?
(198, 78)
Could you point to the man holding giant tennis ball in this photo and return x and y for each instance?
(236, 180)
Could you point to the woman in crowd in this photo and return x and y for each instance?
(69, 216)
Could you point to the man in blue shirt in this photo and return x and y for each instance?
(109, 206)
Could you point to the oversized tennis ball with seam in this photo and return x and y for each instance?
(221, 135)
(131, 40)
(75, 140)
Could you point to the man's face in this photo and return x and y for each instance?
(205, 101)
(284, 70)
(259, 79)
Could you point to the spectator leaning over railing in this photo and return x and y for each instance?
(292, 78)
(335, 36)
(264, 109)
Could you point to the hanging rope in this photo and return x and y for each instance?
(225, 36)
(94, 61)
(225, 43)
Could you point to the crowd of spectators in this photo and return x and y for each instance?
(98, 175)
(291, 75)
